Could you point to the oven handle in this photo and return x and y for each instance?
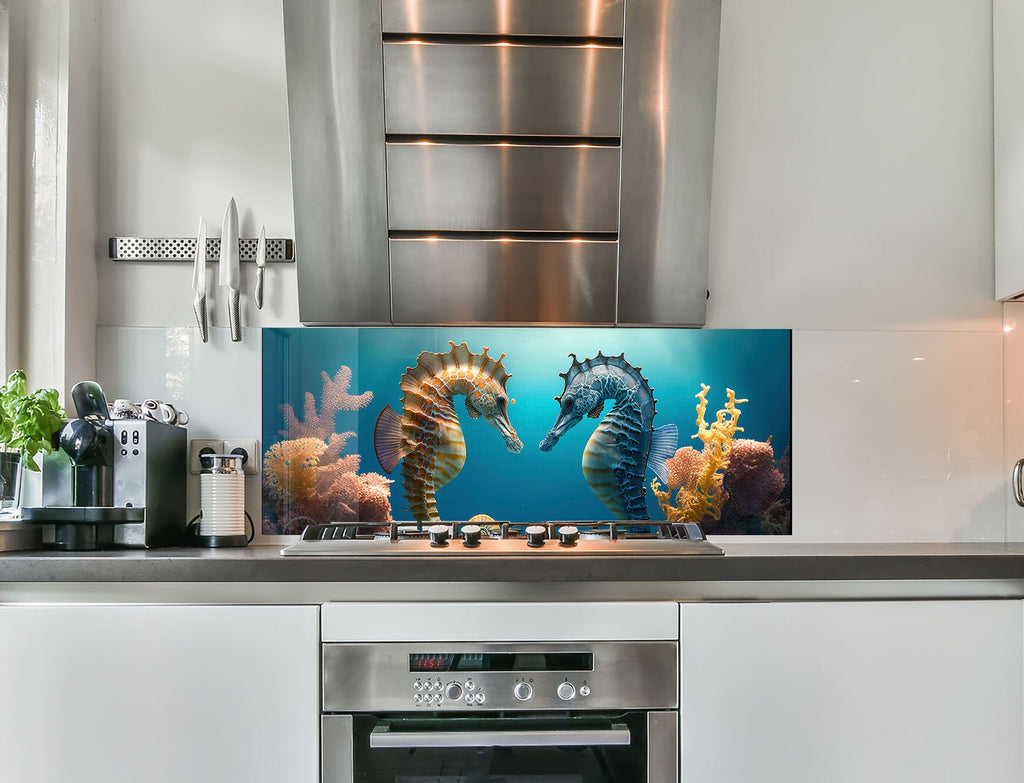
(383, 737)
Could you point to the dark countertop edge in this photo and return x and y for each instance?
(742, 563)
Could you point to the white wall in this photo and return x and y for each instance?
(852, 203)
(194, 112)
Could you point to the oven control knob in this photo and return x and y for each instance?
(568, 535)
(535, 535)
(584, 690)
(522, 691)
(438, 535)
(566, 691)
(453, 691)
(471, 535)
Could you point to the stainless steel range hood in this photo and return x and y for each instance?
(502, 161)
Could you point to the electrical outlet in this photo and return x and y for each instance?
(250, 451)
(198, 446)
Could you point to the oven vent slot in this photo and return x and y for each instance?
(541, 18)
(503, 40)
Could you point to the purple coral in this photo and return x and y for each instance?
(752, 480)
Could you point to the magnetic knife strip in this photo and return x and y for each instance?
(279, 251)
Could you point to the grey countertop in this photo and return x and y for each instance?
(746, 562)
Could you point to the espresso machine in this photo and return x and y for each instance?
(117, 482)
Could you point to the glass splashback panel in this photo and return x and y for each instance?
(371, 424)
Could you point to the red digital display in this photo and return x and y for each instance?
(430, 662)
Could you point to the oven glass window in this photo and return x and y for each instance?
(475, 754)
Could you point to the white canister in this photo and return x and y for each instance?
(222, 500)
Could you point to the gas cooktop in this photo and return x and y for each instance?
(467, 539)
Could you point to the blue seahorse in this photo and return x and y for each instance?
(625, 443)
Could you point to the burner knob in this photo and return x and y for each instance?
(535, 535)
(566, 691)
(438, 535)
(568, 535)
(471, 535)
(523, 691)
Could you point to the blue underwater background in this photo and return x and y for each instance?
(534, 485)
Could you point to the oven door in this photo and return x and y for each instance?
(630, 747)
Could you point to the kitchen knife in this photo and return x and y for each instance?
(229, 275)
(261, 262)
(199, 282)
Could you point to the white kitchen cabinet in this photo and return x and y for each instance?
(858, 692)
(157, 693)
(1008, 149)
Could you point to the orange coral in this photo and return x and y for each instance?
(289, 466)
(307, 476)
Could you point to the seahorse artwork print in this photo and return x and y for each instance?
(427, 437)
(625, 443)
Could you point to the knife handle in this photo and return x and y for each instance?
(235, 316)
(258, 293)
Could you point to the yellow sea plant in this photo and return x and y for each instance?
(698, 488)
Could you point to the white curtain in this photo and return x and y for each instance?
(48, 151)
(5, 167)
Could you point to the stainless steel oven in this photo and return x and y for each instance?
(519, 712)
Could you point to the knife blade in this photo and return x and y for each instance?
(199, 282)
(229, 274)
(261, 262)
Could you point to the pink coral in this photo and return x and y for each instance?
(686, 462)
(752, 480)
(375, 504)
(333, 398)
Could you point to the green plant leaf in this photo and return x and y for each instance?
(28, 422)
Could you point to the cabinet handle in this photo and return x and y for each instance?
(1018, 487)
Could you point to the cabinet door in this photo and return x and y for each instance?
(852, 692)
(102, 694)
(1008, 149)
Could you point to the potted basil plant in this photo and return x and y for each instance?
(28, 423)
